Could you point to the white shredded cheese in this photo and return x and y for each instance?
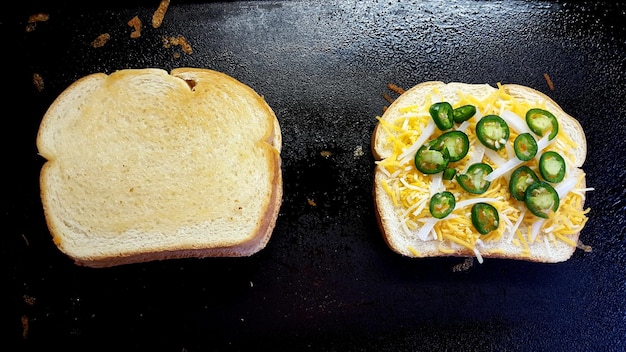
(516, 226)
(534, 231)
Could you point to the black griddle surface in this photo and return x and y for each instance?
(326, 281)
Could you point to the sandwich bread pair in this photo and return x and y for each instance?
(144, 165)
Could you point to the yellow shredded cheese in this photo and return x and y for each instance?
(414, 251)
(410, 191)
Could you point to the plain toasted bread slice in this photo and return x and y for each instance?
(402, 193)
(147, 165)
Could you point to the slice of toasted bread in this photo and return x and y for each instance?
(402, 193)
(143, 165)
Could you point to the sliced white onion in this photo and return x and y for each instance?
(436, 183)
(510, 151)
(428, 130)
(510, 164)
(494, 157)
(428, 225)
(463, 126)
(566, 186)
(544, 142)
(515, 121)
(479, 115)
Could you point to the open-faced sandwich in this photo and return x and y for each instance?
(476, 170)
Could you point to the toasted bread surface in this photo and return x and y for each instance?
(147, 165)
(402, 193)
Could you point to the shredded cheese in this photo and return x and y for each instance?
(410, 190)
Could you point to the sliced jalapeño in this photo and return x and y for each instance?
(541, 198)
(430, 160)
(473, 181)
(442, 114)
(449, 173)
(463, 113)
(521, 179)
(456, 142)
(442, 204)
(540, 121)
(552, 166)
(492, 131)
(525, 146)
(485, 218)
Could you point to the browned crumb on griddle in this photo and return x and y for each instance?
(177, 41)
(34, 19)
(388, 98)
(38, 81)
(159, 13)
(548, 81)
(465, 265)
(101, 40)
(396, 89)
(24, 327)
(135, 23)
(29, 300)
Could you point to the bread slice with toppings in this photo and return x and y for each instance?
(144, 165)
(402, 193)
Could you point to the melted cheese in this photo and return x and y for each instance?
(410, 190)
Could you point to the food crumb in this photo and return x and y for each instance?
(388, 98)
(135, 22)
(180, 41)
(29, 300)
(396, 89)
(358, 152)
(24, 326)
(101, 40)
(311, 202)
(548, 81)
(159, 13)
(34, 19)
(38, 81)
(326, 153)
(464, 266)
